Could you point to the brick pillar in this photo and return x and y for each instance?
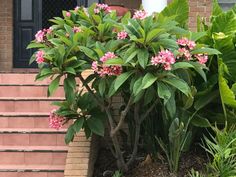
(201, 8)
(6, 35)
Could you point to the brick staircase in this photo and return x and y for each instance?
(28, 147)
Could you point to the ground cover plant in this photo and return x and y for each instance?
(166, 75)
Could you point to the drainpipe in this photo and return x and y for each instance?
(151, 6)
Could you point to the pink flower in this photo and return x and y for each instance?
(55, 121)
(95, 66)
(183, 52)
(77, 29)
(122, 35)
(101, 7)
(184, 42)
(164, 57)
(49, 30)
(140, 14)
(68, 14)
(39, 36)
(76, 9)
(108, 55)
(39, 56)
(202, 59)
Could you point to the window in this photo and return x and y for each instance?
(227, 4)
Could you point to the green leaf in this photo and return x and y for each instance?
(96, 126)
(168, 43)
(227, 95)
(163, 91)
(208, 51)
(69, 134)
(121, 79)
(78, 124)
(200, 122)
(131, 56)
(148, 80)
(54, 85)
(137, 86)
(205, 100)
(180, 84)
(112, 89)
(199, 69)
(179, 9)
(181, 65)
(114, 61)
(197, 35)
(69, 87)
(102, 86)
(143, 57)
(36, 45)
(216, 8)
(89, 52)
(70, 70)
(153, 34)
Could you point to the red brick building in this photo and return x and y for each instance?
(26, 143)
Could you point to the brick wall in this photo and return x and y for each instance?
(6, 31)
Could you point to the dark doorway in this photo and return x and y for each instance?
(31, 16)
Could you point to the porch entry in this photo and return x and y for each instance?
(31, 16)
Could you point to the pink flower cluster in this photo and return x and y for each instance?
(77, 29)
(55, 121)
(40, 56)
(184, 42)
(186, 46)
(104, 70)
(122, 35)
(140, 14)
(68, 14)
(165, 58)
(101, 7)
(40, 35)
(202, 58)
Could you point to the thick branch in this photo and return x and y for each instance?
(137, 134)
(122, 117)
(149, 111)
(100, 103)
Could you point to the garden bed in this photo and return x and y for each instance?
(195, 159)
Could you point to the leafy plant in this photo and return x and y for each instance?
(194, 173)
(148, 60)
(117, 174)
(222, 149)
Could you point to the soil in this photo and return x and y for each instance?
(196, 159)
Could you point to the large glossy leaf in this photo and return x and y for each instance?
(96, 126)
(179, 9)
(227, 95)
(121, 79)
(143, 57)
(148, 80)
(163, 91)
(53, 85)
(179, 84)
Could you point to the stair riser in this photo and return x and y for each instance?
(26, 122)
(28, 91)
(14, 139)
(32, 158)
(26, 106)
(31, 174)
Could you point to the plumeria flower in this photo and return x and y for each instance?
(122, 35)
(140, 14)
(76, 9)
(202, 58)
(68, 14)
(184, 42)
(55, 121)
(39, 36)
(77, 29)
(104, 70)
(164, 57)
(40, 56)
(183, 52)
(101, 7)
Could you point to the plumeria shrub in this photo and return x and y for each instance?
(147, 60)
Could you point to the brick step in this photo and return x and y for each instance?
(28, 91)
(33, 158)
(32, 139)
(33, 148)
(26, 79)
(31, 131)
(27, 104)
(39, 168)
(33, 173)
(26, 120)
